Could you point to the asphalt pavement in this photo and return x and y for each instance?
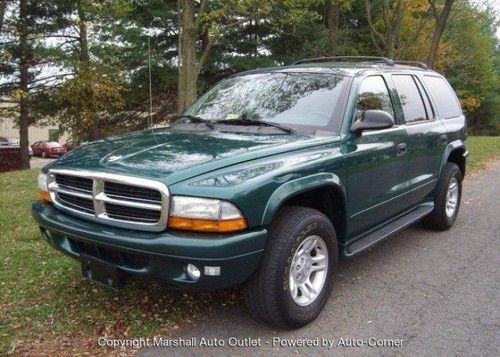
(421, 292)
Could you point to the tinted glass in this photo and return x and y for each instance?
(425, 96)
(302, 99)
(373, 95)
(410, 98)
(444, 97)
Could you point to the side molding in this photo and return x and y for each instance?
(297, 186)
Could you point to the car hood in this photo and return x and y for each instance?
(176, 154)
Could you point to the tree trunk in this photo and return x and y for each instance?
(94, 132)
(23, 86)
(438, 32)
(188, 66)
(332, 23)
(82, 36)
(3, 8)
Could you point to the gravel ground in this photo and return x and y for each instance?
(438, 292)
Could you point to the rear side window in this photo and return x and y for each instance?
(373, 94)
(444, 97)
(410, 97)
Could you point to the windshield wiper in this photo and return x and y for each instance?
(195, 119)
(257, 123)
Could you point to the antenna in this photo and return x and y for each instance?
(150, 122)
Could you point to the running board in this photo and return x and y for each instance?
(388, 230)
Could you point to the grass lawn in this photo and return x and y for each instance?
(46, 307)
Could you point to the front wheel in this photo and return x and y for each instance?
(295, 277)
(446, 199)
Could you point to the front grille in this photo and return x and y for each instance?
(84, 204)
(116, 200)
(75, 182)
(143, 194)
(132, 213)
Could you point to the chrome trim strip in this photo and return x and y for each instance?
(99, 198)
(104, 198)
(54, 186)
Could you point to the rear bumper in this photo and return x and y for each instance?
(157, 256)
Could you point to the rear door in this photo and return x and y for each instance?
(426, 136)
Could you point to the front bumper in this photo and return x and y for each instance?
(159, 256)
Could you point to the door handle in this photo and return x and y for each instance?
(401, 149)
(443, 138)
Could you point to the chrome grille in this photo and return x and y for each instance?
(134, 193)
(75, 202)
(122, 201)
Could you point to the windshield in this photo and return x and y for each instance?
(290, 99)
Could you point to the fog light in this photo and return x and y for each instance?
(193, 272)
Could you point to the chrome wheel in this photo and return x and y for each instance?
(308, 270)
(452, 197)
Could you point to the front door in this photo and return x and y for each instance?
(376, 165)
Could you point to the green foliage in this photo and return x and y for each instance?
(236, 35)
(472, 65)
(85, 98)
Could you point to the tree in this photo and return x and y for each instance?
(189, 62)
(389, 41)
(334, 9)
(94, 88)
(28, 22)
(440, 19)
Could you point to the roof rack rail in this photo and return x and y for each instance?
(413, 63)
(385, 60)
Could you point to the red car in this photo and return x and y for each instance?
(48, 148)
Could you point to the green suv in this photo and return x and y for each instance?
(265, 181)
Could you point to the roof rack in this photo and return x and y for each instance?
(385, 60)
(413, 63)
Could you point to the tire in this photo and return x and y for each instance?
(44, 155)
(440, 218)
(268, 293)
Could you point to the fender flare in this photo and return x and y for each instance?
(298, 186)
(456, 144)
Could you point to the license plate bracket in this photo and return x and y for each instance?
(102, 272)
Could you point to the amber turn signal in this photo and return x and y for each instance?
(45, 196)
(201, 225)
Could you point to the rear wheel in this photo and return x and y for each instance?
(295, 277)
(44, 155)
(446, 199)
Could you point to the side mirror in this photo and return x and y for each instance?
(372, 120)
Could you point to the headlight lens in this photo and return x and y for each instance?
(207, 215)
(43, 188)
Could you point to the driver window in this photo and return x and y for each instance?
(373, 95)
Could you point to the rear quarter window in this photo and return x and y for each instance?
(444, 98)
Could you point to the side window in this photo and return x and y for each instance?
(431, 114)
(410, 97)
(373, 94)
(444, 97)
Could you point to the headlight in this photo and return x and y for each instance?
(206, 215)
(43, 188)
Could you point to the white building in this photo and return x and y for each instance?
(9, 129)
